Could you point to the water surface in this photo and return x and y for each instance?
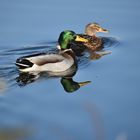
(105, 109)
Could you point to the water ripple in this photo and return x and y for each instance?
(9, 72)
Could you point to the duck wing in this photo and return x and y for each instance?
(46, 58)
(38, 59)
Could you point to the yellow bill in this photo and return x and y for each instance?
(84, 83)
(80, 39)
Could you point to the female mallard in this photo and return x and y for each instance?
(56, 63)
(94, 43)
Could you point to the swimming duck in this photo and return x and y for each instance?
(57, 62)
(94, 43)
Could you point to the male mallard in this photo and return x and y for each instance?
(94, 43)
(56, 63)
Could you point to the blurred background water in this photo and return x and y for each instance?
(105, 109)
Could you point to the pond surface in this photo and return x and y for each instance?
(107, 108)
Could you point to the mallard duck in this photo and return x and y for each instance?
(94, 43)
(57, 62)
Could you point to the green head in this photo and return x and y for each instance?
(66, 37)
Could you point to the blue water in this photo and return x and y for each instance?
(105, 109)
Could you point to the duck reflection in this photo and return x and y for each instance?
(69, 85)
(25, 78)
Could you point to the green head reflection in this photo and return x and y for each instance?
(70, 86)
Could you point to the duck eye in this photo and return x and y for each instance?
(97, 28)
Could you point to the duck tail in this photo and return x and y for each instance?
(23, 63)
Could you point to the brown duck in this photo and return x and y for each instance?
(94, 43)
